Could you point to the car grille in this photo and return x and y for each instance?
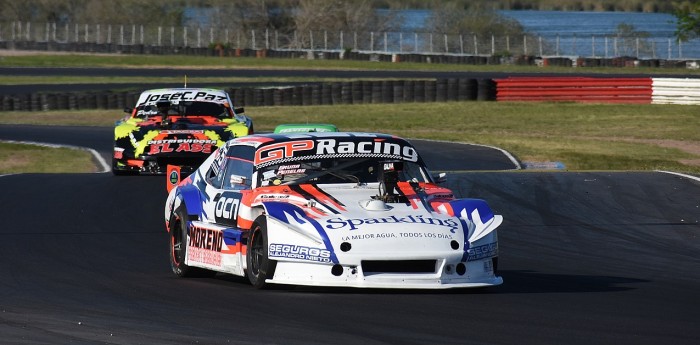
(398, 266)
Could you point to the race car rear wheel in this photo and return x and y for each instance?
(178, 246)
(259, 265)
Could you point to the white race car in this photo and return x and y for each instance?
(328, 209)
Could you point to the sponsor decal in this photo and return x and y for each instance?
(355, 223)
(204, 256)
(282, 150)
(291, 251)
(366, 236)
(333, 147)
(205, 238)
(219, 161)
(174, 177)
(181, 145)
(482, 252)
(274, 196)
(226, 208)
(290, 169)
(185, 96)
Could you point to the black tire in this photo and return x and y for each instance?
(118, 172)
(178, 248)
(259, 266)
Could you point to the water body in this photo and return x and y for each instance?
(551, 33)
(590, 33)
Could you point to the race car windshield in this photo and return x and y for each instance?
(203, 109)
(189, 108)
(337, 170)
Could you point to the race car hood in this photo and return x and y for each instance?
(349, 217)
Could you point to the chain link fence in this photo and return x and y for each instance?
(19, 35)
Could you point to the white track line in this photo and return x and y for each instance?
(98, 157)
(506, 153)
(679, 174)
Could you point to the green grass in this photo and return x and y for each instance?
(582, 136)
(21, 158)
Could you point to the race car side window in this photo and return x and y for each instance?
(215, 174)
(239, 168)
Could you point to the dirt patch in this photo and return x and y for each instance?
(692, 147)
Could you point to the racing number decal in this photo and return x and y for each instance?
(226, 208)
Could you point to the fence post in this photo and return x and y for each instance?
(253, 39)
(447, 50)
(386, 47)
(606, 47)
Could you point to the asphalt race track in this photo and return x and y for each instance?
(587, 258)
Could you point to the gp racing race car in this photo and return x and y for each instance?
(328, 209)
(180, 126)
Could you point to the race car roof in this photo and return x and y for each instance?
(176, 95)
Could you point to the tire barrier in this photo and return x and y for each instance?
(675, 91)
(354, 92)
(569, 89)
(575, 89)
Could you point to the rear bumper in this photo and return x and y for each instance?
(157, 165)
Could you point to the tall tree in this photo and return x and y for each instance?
(688, 19)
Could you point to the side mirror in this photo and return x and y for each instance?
(128, 110)
(240, 110)
(440, 178)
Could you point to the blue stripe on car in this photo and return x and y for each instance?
(280, 210)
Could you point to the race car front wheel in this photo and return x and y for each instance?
(178, 246)
(259, 265)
